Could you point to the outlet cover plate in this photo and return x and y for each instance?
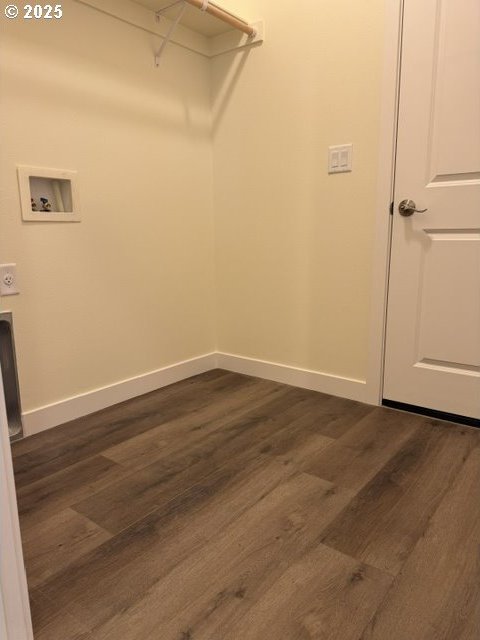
(8, 280)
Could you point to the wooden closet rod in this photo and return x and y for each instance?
(225, 16)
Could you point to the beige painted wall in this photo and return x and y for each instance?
(130, 288)
(293, 244)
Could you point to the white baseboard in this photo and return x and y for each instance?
(304, 378)
(77, 406)
(71, 408)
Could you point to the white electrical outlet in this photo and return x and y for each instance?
(8, 280)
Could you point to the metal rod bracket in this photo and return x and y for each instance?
(173, 26)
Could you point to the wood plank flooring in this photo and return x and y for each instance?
(226, 507)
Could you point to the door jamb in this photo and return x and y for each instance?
(393, 27)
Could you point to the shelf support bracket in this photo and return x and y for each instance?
(173, 26)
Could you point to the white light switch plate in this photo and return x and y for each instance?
(8, 280)
(340, 158)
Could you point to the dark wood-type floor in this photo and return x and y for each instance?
(230, 508)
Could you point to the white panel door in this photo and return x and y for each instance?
(432, 356)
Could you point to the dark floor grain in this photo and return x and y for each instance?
(225, 507)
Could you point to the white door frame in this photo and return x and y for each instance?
(15, 621)
(385, 184)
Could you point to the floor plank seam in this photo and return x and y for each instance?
(175, 497)
(66, 607)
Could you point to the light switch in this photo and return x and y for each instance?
(340, 158)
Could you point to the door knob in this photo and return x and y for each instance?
(408, 208)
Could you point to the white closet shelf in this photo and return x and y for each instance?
(199, 14)
(201, 26)
(211, 20)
